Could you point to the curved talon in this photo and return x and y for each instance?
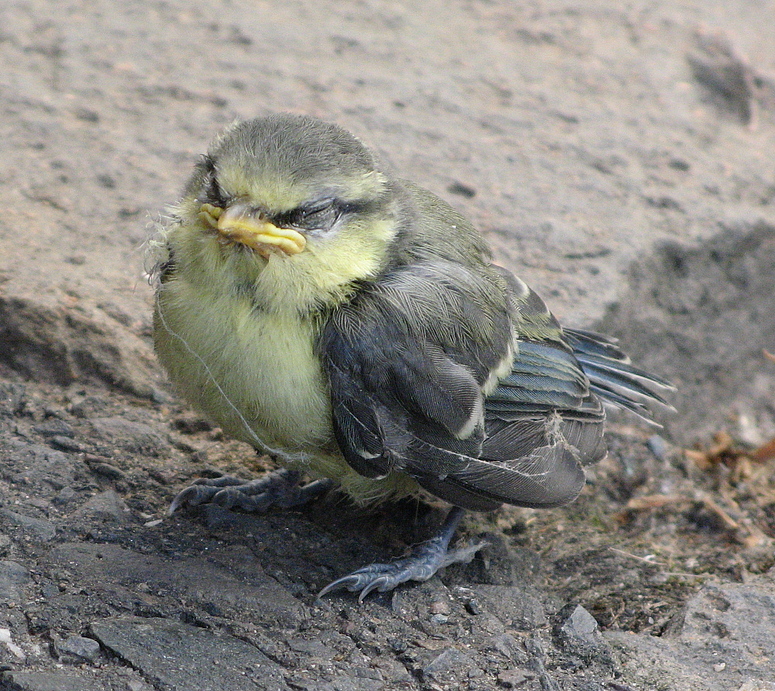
(278, 488)
(422, 566)
(349, 582)
(424, 562)
(226, 498)
(193, 495)
(382, 584)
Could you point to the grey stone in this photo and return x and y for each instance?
(535, 648)
(514, 678)
(187, 657)
(64, 496)
(344, 683)
(12, 397)
(311, 647)
(12, 577)
(577, 632)
(351, 684)
(60, 441)
(49, 681)
(515, 606)
(77, 649)
(127, 434)
(228, 583)
(658, 446)
(107, 470)
(54, 428)
(37, 529)
(580, 625)
(38, 465)
(724, 638)
(509, 647)
(448, 663)
(106, 507)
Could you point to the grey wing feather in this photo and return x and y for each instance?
(613, 378)
(409, 357)
(392, 411)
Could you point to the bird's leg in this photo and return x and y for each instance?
(278, 488)
(425, 560)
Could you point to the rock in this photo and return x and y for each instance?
(77, 649)
(246, 594)
(446, 665)
(723, 286)
(36, 529)
(108, 470)
(535, 649)
(54, 428)
(51, 681)
(187, 657)
(343, 683)
(509, 647)
(13, 576)
(579, 626)
(12, 396)
(517, 607)
(514, 678)
(577, 632)
(64, 496)
(502, 564)
(133, 436)
(724, 637)
(38, 466)
(45, 338)
(105, 507)
(658, 446)
(9, 649)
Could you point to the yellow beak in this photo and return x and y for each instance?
(238, 223)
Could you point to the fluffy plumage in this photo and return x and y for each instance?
(351, 324)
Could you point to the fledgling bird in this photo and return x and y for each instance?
(351, 325)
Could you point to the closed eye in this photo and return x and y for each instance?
(320, 215)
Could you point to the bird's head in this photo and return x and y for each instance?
(288, 203)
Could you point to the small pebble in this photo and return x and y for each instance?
(658, 446)
(472, 606)
(76, 649)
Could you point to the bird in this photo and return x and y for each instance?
(352, 325)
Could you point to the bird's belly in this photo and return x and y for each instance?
(254, 373)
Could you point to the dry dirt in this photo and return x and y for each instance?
(619, 156)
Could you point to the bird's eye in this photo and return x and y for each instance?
(320, 215)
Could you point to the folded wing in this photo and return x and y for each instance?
(418, 384)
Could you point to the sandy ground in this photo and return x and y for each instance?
(619, 158)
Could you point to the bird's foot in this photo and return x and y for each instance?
(278, 488)
(426, 559)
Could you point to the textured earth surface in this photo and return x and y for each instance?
(620, 157)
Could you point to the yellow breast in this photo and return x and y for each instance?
(253, 372)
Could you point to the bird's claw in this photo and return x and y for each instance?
(424, 563)
(194, 495)
(279, 488)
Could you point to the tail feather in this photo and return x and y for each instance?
(613, 378)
